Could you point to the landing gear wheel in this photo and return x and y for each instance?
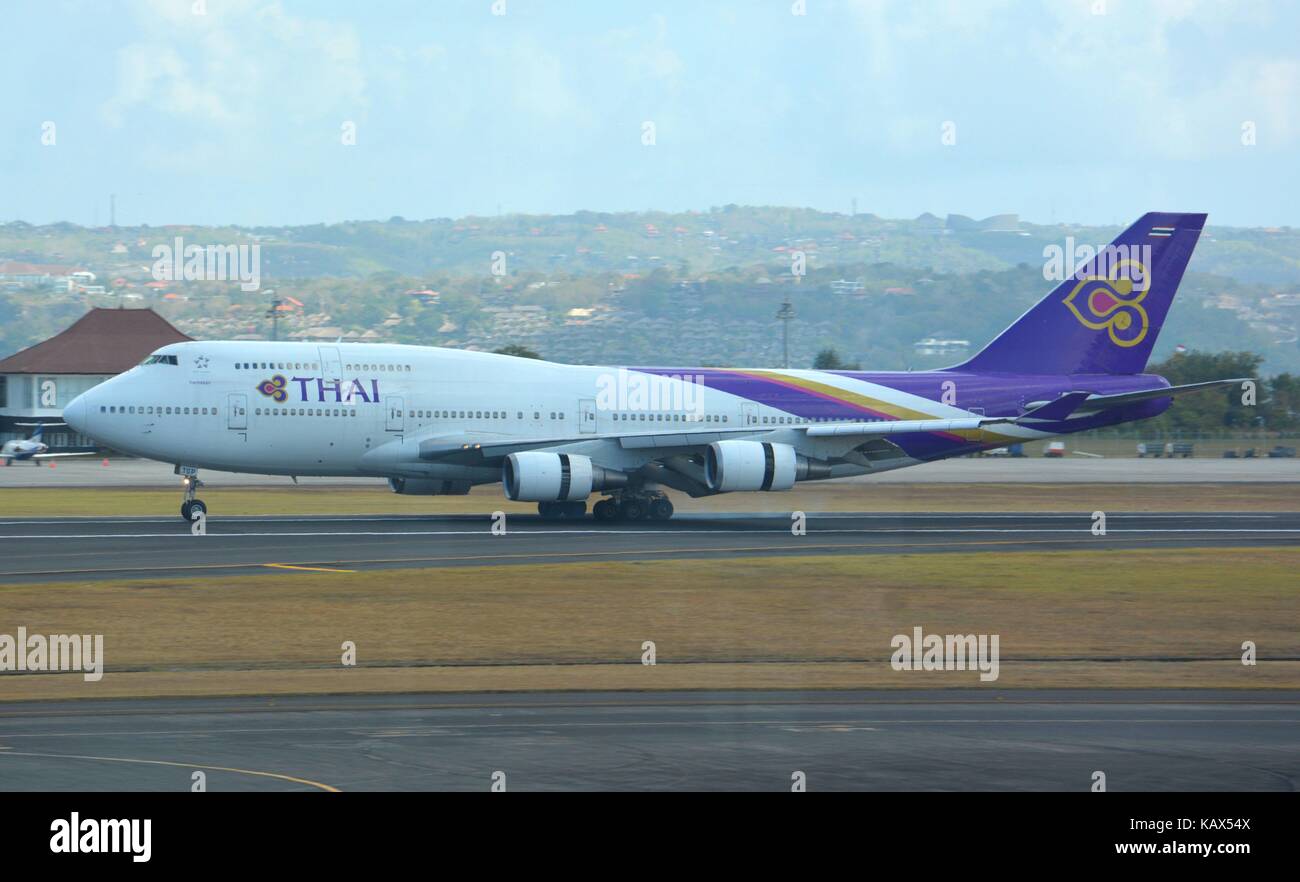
(565, 510)
(632, 509)
(661, 509)
(189, 505)
(605, 510)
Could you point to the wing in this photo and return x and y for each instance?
(487, 450)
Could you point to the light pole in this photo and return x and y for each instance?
(785, 314)
(274, 315)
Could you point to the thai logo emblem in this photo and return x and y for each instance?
(1113, 302)
(274, 388)
(201, 362)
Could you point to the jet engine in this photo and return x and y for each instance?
(537, 476)
(428, 487)
(758, 465)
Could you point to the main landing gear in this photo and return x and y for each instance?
(622, 506)
(634, 507)
(556, 511)
(189, 505)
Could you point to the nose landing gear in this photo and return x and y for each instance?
(189, 505)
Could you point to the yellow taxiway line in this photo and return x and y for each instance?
(685, 553)
(117, 759)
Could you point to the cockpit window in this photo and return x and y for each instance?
(160, 359)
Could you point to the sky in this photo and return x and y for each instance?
(267, 112)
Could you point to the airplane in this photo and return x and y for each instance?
(438, 421)
(33, 448)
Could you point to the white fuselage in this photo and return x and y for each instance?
(20, 450)
(370, 409)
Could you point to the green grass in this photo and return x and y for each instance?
(73, 501)
(747, 622)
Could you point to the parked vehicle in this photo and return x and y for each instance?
(1280, 452)
(1054, 449)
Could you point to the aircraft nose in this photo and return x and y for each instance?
(77, 415)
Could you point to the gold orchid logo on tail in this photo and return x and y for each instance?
(1113, 302)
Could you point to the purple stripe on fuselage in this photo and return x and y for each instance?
(804, 397)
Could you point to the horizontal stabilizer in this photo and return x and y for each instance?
(1055, 411)
(1081, 403)
(1105, 402)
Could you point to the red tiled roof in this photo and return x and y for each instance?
(103, 341)
(17, 268)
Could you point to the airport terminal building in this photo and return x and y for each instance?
(37, 382)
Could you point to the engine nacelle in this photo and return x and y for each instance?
(750, 465)
(537, 476)
(428, 487)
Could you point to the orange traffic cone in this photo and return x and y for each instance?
(105, 462)
(51, 463)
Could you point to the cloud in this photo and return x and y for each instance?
(1164, 79)
(1179, 76)
(243, 70)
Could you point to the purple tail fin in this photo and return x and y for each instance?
(1105, 317)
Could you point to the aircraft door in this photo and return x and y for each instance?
(237, 412)
(587, 415)
(394, 416)
(330, 364)
(748, 414)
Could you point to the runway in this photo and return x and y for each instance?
(59, 549)
(122, 472)
(882, 740)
